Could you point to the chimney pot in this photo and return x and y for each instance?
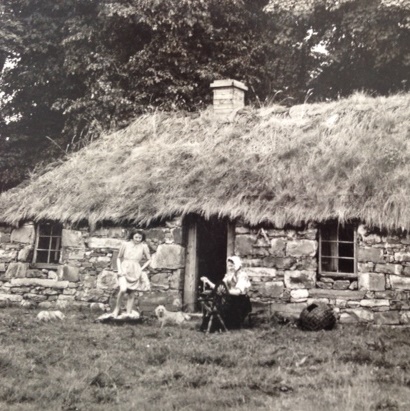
(229, 95)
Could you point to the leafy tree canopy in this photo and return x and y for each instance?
(366, 43)
(86, 66)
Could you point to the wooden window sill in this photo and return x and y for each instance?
(49, 266)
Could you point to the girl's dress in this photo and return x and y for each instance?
(133, 279)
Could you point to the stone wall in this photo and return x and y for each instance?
(86, 275)
(282, 265)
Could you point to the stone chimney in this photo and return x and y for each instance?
(229, 95)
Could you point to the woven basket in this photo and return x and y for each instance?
(317, 317)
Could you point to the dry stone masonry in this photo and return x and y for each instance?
(86, 275)
(284, 271)
(282, 265)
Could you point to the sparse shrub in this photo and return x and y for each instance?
(72, 400)
(205, 358)
(5, 364)
(267, 362)
(22, 391)
(387, 405)
(196, 381)
(358, 356)
(102, 380)
(104, 388)
(157, 355)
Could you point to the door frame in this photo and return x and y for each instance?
(191, 280)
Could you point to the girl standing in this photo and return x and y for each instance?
(132, 277)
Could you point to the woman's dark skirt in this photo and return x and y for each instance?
(233, 309)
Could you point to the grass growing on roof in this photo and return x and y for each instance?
(345, 159)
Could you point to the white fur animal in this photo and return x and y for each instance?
(26, 304)
(169, 317)
(61, 304)
(50, 316)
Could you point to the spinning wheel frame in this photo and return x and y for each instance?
(215, 303)
(220, 296)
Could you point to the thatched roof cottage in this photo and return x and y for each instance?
(314, 198)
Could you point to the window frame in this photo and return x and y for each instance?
(338, 274)
(48, 264)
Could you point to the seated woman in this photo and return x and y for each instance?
(237, 305)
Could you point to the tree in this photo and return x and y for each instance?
(88, 66)
(83, 67)
(31, 130)
(366, 43)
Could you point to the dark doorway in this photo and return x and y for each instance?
(212, 248)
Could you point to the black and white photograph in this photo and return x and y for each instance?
(205, 205)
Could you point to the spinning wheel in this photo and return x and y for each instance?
(214, 306)
(222, 310)
(221, 295)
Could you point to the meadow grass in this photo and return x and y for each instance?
(80, 364)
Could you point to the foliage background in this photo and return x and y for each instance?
(72, 69)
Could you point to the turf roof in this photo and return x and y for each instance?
(348, 159)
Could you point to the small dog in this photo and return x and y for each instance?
(61, 304)
(169, 317)
(26, 304)
(50, 316)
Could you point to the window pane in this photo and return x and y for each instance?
(329, 249)
(42, 256)
(54, 256)
(56, 230)
(45, 229)
(48, 243)
(337, 248)
(346, 233)
(43, 243)
(329, 264)
(55, 243)
(329, 232)
(346, 266)
(346, 250)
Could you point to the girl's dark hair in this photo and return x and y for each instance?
(133, 232)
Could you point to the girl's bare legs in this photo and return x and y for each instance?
(118, 304)
(130, 302)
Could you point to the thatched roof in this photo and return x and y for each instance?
(346, 159)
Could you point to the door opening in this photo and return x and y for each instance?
(212, 248)
(207, 244)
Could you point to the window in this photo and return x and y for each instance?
(48, 244)
(337, 250)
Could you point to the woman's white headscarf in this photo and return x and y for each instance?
(240, 279)
(236, 261)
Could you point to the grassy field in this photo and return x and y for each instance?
(79, 364)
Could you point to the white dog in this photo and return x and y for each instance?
(50, 316)
(169, 317)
